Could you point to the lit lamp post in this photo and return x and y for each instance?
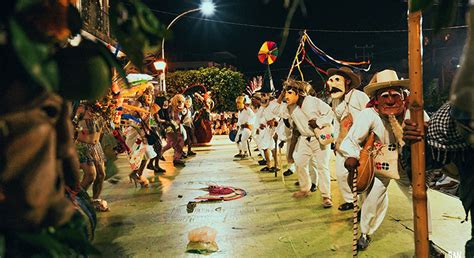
(207, 8)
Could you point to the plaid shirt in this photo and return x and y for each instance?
(442, 133)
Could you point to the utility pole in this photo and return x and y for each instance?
(366, 54)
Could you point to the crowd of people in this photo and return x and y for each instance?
(369, 132)
(223, 123)
(143, 125)
(139, 123)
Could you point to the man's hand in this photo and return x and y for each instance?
(351, 164)
(412, 132)
(280, 98)
(312, 123)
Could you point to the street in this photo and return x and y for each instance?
(154, 222)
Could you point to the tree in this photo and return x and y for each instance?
(224, 84)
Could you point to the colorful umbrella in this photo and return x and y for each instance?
(268, 53)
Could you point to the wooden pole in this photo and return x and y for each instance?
(420, 214)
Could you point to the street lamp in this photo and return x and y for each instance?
(207, 8)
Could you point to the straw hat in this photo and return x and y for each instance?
(355, 79)
(385, 79)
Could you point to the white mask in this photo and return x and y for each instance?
(337, 86)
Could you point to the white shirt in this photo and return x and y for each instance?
(354, 102)
(312, 108)
(246, 116)
(368, 120)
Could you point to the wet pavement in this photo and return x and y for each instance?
(268, 222)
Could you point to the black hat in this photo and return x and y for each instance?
(267, 86)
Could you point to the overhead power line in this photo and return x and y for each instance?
(298, 29)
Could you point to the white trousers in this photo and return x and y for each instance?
(312, 157)
(341, 174)
(375, 203)
(243, 135)
(266, 139)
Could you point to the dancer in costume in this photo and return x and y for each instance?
(267, 123)
(91, 156)
(308, 113)
(245, 121)
(188, 118)
(174, 130)
(384, 119)
(346, 102)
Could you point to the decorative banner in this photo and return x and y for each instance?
(268, 53)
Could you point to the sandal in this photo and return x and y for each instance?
(327, 203)
(301, 194)
(100, 205)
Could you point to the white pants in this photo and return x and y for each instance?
(375, 203)
(243, 135)
(342, 173)
(266, 139)
(310, 156)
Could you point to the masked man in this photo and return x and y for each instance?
(258, 109)
(267, 128)
(384, 118)
(346, 103)
(308, 113)
(245, 120)
(174, 130)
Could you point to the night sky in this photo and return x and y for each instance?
(192, 35)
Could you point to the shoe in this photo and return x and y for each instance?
(297, 183)
(265, 169)
(275, 170)
(178, 163)
(363, 242)
(191, 153)
(238, 155)
(143, 181)
(313, 188)
(159, 170)
(301, 194)
(288, 172)
(346, 206)
(327, 203)
(150, 166)
(262, 162)
(184, 156)
(244, 156)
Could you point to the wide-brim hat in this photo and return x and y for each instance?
(301, 87)
(355, 79)
(385, 79)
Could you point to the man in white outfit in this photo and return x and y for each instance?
(308, 113)
(245, 121)
(386, 112)
(346, 102)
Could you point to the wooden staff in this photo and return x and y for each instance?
(420, 214)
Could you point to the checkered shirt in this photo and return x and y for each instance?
(442, 132)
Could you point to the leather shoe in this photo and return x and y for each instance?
(363, 242)
(288, 173)
(262, 162)
(346, 206)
